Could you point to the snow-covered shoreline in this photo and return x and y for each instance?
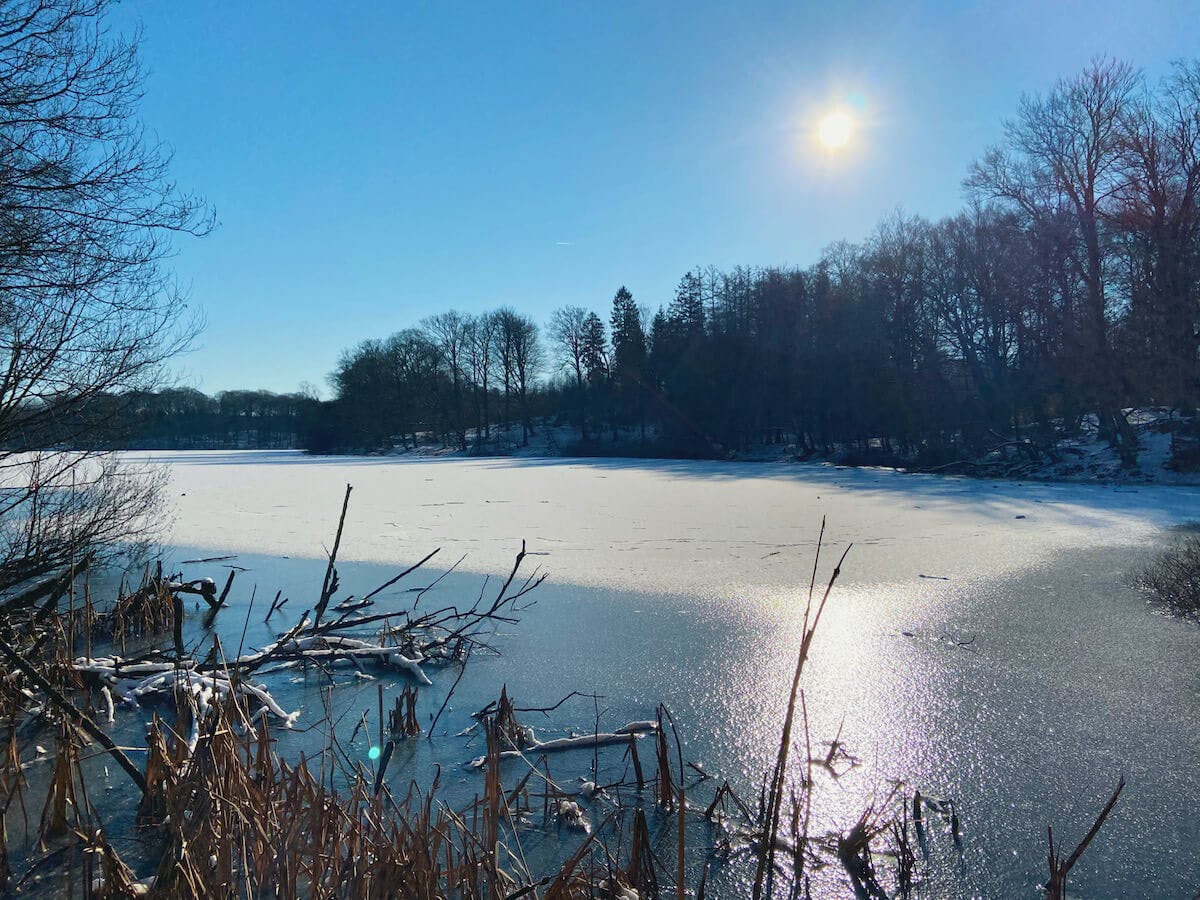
(1083, 457)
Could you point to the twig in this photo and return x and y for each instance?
(1056, 887)
(225, 590)
(390, 581)
(329, 584)
(462, 670)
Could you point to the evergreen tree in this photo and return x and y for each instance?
(628, 366)
(687, 309)
(595, 349)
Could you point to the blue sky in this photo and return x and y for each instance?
(371, 163)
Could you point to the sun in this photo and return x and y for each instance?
(834, 130)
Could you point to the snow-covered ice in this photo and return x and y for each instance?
(669, 526)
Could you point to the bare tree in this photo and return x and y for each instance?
(505, 322)
(979, 268)
(527, 361)
(1158, 213)
(87, 311)
(1063, 154)
(481, 341)
(569, 333)
(450, 332)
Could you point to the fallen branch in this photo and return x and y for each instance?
(583, 741)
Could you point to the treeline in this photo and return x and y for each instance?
(179, 419)
(1067, 287)
(186, 419)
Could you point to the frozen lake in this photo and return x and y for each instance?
(982, 644)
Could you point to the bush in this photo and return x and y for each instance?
(1174, 578)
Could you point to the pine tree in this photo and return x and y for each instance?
(595, 349)
(628, 360)
(687, 309)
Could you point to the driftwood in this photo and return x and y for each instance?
(532, 746)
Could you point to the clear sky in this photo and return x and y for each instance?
(371, 163)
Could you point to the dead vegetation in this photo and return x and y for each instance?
(1060, 868)
(1173, 578)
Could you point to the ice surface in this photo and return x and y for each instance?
(661, 526)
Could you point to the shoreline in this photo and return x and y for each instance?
(972, 469)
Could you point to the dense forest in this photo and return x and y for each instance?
(1068, 286)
